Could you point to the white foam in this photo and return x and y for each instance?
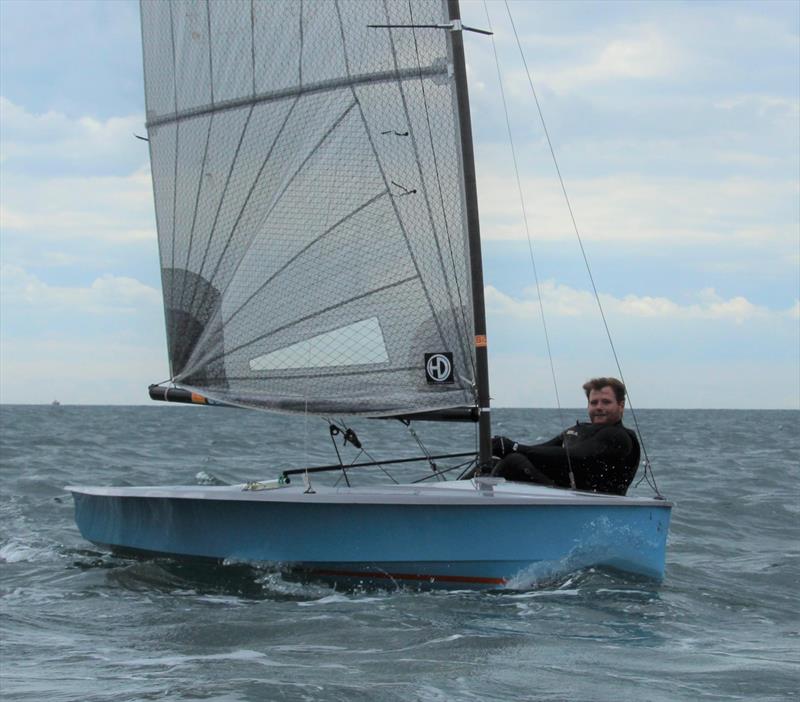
(240, 655)
(15, 551)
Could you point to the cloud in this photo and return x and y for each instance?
(107, 295)
(72, 191)
(590, 55)
(743, 212)
(645, 54)
(100, 342)
(703, 384)
(564, 301)
(575, 47)
(761, 104)
(110, 209)
(80, 371)
(668, 88)
(52, 142)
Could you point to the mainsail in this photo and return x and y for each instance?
(310, 204)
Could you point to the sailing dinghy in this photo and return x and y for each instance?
(318, 232)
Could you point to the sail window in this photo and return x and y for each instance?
(354, 345)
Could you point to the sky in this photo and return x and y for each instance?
(676, 127)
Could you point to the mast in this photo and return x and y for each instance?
(474, 237)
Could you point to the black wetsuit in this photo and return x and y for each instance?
(604, 458)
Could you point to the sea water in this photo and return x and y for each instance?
(81, 624)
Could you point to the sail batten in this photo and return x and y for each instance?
(279, 95)
(309, 202)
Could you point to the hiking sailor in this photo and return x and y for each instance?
(601, 455)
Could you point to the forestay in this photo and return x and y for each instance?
(309, 201)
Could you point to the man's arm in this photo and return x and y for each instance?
(555, 441)
(610, 444)
(502, 445)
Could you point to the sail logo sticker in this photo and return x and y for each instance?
(439, 367)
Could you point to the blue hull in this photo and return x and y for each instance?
(434, 544)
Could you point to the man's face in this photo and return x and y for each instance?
(603, 406)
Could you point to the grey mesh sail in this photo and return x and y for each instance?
(310, 204)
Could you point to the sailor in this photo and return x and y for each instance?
(602, 455)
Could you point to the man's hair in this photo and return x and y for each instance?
(599, 383)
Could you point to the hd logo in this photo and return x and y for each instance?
(439, 367)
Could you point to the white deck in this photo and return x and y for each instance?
(454, 492)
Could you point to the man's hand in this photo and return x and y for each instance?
(502, 446)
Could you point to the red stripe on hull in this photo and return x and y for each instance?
(408, 576)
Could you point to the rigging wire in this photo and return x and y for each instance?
(647, 465)
(335, 431)
(423, 448)
(441, 471)
(530, 239)
(172, 331)
(346, 431)
(306, 476)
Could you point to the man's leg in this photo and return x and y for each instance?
(517, 467)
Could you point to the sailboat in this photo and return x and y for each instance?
(316, 207)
